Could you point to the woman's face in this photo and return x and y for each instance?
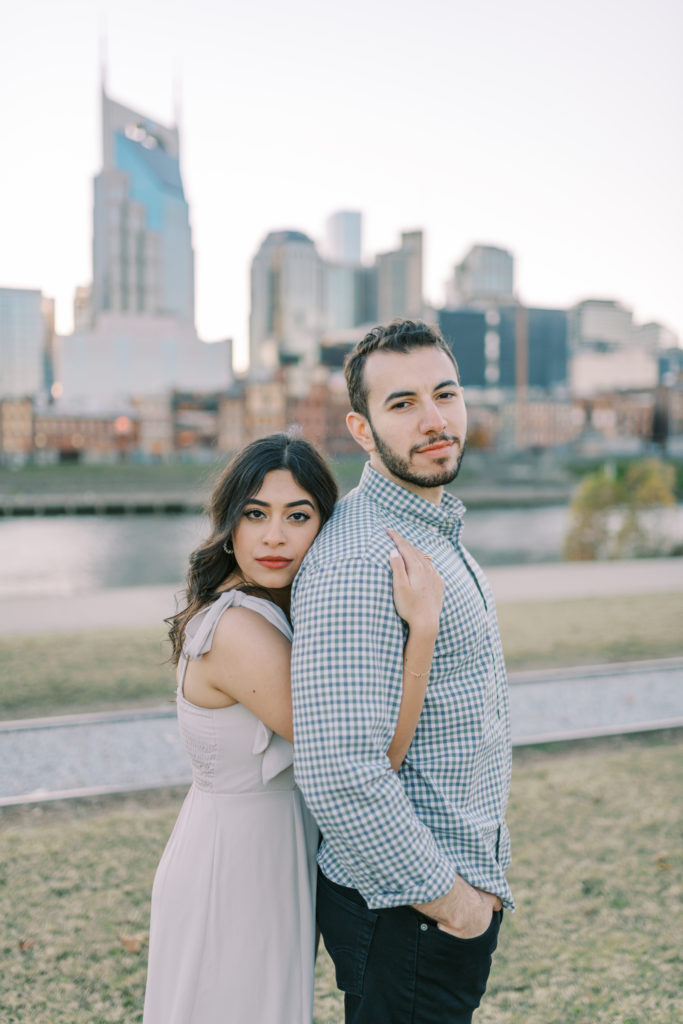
(276, 529)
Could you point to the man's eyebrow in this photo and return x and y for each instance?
(411, 394)
(398, 394)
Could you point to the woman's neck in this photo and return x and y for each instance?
(281, 596)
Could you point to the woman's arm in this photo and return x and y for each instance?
(248, 664)
(418, 596)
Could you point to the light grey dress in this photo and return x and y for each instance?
(233, 904)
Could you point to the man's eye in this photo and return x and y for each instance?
(448, 394)
(400, 405)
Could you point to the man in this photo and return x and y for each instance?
(411, 882)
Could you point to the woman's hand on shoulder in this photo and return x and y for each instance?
(418, 587)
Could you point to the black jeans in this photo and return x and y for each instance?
(396, 967)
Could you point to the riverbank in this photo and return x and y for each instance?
(191, 500)
(128, 488)
(118, 503)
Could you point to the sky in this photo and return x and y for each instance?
(553, 130)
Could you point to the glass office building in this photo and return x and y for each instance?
(143, 261)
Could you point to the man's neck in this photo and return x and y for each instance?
(433, 494)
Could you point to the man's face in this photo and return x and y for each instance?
(417, 417)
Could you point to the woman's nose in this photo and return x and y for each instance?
(274, 534)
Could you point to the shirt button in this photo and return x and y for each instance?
(423, 927)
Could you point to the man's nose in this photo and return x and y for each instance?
(432, 418)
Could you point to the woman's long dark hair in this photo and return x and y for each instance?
(241, 479)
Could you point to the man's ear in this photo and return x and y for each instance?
(359, 428)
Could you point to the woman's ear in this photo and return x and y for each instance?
(359, 428)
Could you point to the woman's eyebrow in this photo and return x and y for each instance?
(290, 504)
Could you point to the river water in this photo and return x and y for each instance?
(78, 554)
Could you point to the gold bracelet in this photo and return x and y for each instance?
(418, 675)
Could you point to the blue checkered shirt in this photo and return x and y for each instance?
(399, 839)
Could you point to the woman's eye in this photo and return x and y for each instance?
(300, 517)
(253, 513)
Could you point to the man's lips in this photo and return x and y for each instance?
(274, 563)
(436, 446)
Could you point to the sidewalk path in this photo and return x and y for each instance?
(84, 755)
(148, 606)
(557, 581)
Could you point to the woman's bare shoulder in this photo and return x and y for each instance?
(248, 663)
(241, 628)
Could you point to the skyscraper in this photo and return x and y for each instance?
(143, 260)
(26, 338)
(134, 331)
(343, 238)
(600, 324)
(343, 270)
(399, 280)
(286, 301)
(485, 277)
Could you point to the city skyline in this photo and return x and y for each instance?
(555, 134)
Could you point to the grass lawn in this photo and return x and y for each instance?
(597, 874)
(43, 675)
(68, 672)
(592, 630)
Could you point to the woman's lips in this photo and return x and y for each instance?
(274, 563)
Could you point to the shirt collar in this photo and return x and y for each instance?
(447, 516)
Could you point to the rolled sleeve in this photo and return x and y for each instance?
(347, 665)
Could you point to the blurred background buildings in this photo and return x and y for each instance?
(134, 379)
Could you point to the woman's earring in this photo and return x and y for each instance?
(228, 550)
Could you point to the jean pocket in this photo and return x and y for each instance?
(483, 938)
(347, 929)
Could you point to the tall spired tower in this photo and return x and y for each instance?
(134, 330)
(143, 261)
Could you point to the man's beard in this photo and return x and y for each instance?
(400, 468)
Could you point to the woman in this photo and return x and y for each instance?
(232, 929)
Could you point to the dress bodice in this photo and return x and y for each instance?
(231, 750)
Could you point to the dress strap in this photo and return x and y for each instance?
(202, 626)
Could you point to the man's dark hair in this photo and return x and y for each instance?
(398, 336)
